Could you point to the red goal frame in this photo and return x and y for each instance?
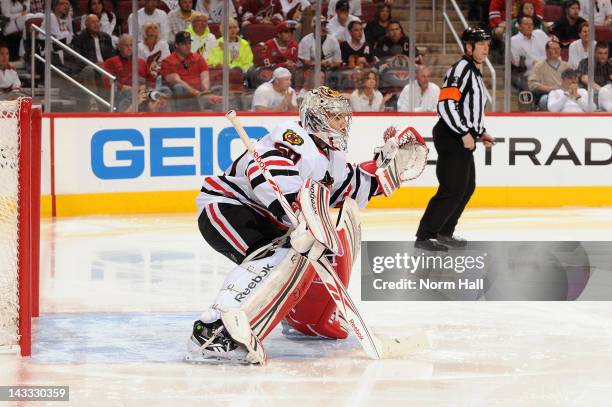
(29, 220)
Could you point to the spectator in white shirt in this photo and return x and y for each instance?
(605, 98)
(214, 9)
(570, 98)
(153, 49)
(338, 25)
(16, 11)
(150, 12)
(10, 85)
(180, 18)
(528, 44)
(578, 49)
(367, 98)
(331, 56)
(60, 24)
(426, 93)
(276, 95)
(603, 11)
(354, 8)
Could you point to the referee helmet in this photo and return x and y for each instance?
(473, 35)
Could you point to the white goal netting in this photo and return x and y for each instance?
(9, 239)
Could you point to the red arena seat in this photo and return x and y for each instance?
(552, 12)
(256, 33)
(603, 33)
(258, 54)
(215, 29)
(367, 11)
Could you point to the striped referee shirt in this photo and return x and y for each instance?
(462, 99)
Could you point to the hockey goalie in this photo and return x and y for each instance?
(241, 217)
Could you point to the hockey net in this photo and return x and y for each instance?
(19, 197)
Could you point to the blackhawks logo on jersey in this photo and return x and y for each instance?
(292, 138)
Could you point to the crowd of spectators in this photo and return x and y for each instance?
(364, 51)
(180, 50)
(549, 58)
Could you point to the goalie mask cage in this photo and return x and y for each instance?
(19, 222)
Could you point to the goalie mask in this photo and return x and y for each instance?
(326, 114)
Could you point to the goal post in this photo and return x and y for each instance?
(20, 147)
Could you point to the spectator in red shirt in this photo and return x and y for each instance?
(121, 66)
(282, 50)
(187, 75)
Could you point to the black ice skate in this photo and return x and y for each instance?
(452, 241)
(210, 343)
(430, 245)
(213, 343)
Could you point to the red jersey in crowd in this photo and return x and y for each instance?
(497, 11)
(189, 69)
(276, 55)
(122, 68)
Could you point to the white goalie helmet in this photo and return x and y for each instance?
(326, 114)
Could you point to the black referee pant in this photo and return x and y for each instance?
(457, 178)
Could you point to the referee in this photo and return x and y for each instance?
(461, 108)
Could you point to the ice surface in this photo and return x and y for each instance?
(119, 295)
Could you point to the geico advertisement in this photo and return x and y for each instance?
(155, 153)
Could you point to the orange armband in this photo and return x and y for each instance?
(452, 93)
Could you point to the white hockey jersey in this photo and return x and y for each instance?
(291, 156)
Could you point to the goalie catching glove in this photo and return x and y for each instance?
(403, 157)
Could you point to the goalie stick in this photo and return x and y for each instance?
(373, 346)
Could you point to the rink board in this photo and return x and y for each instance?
(142, 163)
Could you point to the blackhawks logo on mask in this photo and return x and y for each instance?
(292, 138)
(329, 92)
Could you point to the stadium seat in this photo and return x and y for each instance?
(236, 79)
(82, 7)
(299, 77)
(108, 6)
(28, 24)
(552, 12)
(256, 33)
(216, 77)
(603, 33)
(258, 54)
(257, 76)
(215, 29)
(124, 9)
(347, 79)
(394, 78)
(367, 11)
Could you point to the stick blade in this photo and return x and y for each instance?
(231, 114)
